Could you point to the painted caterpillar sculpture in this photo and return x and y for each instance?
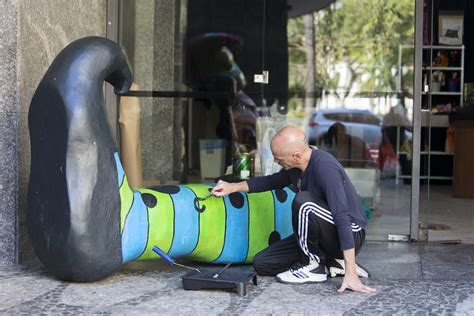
(83, 219)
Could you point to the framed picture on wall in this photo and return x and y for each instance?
(450, 28)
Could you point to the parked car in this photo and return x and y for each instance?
(358, 123)
(361, 126)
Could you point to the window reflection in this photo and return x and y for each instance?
(341, 72)
(212, 68)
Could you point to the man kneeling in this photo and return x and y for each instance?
(328, 219)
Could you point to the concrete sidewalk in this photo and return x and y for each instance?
(410, 279)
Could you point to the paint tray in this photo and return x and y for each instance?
(230, 279)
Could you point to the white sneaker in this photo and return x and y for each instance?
(299, 274)
(337, 268)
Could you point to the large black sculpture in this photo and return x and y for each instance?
(71, 147)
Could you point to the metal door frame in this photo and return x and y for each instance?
(415, 174)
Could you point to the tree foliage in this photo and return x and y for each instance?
(363, 35)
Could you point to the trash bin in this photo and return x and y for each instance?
(212, 157)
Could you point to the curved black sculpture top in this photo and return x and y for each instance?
(72, 147)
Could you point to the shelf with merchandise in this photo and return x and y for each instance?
(443, 84)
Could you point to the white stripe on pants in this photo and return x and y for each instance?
(312, 208)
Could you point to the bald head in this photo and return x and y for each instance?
(288, 141)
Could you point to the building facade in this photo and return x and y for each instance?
(157, 37)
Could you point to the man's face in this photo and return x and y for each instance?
(284, 160)
(288, 147)
(282, 154)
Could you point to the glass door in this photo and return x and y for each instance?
(446, 185)
(343, 73)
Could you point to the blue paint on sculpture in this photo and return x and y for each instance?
(237, 236)
(187, 219)
(283, 199)
(135, 233)
(120, 171)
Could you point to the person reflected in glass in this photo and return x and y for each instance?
(211, 67)
(351, 151)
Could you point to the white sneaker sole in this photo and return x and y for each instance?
(323, 278)
(361, 271)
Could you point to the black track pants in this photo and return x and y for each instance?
(315, 237)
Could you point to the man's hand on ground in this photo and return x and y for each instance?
(352, 282)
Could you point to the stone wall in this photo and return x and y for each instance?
(163, 132)
(9, 143)
(150, 35)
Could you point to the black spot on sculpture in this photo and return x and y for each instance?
(281, 195)
(236, 199)
(71, 147)
(168, 189)
(149, 200)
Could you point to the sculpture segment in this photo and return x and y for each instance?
(230, 229)
(84, 220)
(72, 215)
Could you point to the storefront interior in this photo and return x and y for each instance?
(216, 79)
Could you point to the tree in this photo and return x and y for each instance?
(310, 69)
(363, 35)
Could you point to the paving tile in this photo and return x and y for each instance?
(411, 279)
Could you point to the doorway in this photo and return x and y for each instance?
(446, 186)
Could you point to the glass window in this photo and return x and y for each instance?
(350, 88)
(228, 75)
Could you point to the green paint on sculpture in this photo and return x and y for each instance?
(176, 227)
